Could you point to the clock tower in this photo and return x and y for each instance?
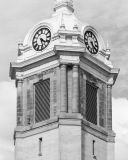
(64, 85)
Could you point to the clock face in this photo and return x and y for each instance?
(91, 42)
(41, 39)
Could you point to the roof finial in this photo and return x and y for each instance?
(64, 4)
(107, 46)
(62, 27)
(20, 41)
(75, 26)
(108, 53)
(20, 46)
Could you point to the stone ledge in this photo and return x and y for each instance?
(70, 116)
(108, 136)
(36, 125)
(35, 131)
(65, 119)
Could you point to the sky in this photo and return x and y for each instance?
(109, 17)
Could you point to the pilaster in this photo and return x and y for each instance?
(63, 89)
(109, 106)
(75, 96)
(19, 102)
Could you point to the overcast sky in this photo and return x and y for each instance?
(109, 17)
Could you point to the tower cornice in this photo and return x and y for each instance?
(75, 54)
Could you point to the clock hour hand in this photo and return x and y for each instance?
(41, 39)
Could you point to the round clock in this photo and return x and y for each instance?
(91, 42)
(41, 39)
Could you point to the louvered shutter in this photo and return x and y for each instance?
(42, 100)
(91, 103)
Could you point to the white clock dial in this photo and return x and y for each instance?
(41, 39)
(91, 42)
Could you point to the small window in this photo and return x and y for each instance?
(40, 146)
(93, 143)
(93, 150)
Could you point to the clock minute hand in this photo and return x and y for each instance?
(92, 44)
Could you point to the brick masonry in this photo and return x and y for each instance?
(20, 103)
(109, 107)
(28, 148)
(70, 140)
(101, 97)
(66, 141)
(64, 95)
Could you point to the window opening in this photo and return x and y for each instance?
(40, 146)
(91, 103)
(93, 150)
(42, 100)
(93, 147)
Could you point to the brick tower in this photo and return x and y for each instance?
(64, 85)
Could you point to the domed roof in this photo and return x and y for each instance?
(66, 29)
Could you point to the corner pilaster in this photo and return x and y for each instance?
(63, 89)
(19, 102)
(75, 94)
(109, 106)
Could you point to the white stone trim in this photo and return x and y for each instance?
(69, 59)
(35, 70)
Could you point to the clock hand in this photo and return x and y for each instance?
(92, 44)
(41, 39)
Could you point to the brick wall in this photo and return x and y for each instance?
(102, 104)
(25, 96)
(100, 147)
(20, 103)
(28, 148)
(101, 97)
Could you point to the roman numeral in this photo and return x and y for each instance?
(37, 36)
(35, 44)
(46, 31)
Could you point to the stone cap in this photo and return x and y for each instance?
(64, 4)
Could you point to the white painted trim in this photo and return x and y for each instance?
(70, 59)
(37, 69)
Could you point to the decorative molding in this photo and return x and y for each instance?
(95, 62)
(39, 69)
(98, 131)
(74, 40)
(30, 63)
(65, 119)
(62, 39)
(110, 81)
(46, 72)
(90, 78)
(96, 73)
(69, 33)
(30, 78)
(69, 59)
(55, 110)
